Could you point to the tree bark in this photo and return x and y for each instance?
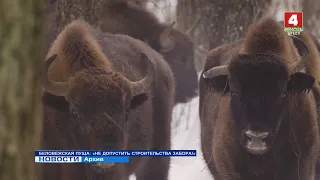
(220, 21)
(88, 10)
(21, 54)
(188, 20)
(311, 16)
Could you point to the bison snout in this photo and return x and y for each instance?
(256, 143)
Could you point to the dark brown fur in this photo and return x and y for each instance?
(307, 36)
(96, 65)
(310, 39)
(123, 17)
(139, 23)
(222, 151)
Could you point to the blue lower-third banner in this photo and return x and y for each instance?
(115, 153)
(81, 159)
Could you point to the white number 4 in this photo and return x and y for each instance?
(293, 20)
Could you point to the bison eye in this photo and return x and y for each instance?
(74, 113)
(233, 93)
(283, 95)
(126, 115)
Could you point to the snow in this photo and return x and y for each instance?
(186, 135)
(188, 168)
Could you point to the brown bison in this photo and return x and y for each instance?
(176, 47)
(129, 18)
(105, 92)
(257, 111)
(315, 55)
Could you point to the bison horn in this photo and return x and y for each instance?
(304, 52)
(166, 42)
(55, 88)
(144, 84)
(193, 26)
(216, 71)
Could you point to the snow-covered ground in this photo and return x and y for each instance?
(187, 136)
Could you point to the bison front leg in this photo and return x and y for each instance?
(156, 168)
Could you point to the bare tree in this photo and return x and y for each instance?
(220, 21)
(188, 20)
(21, 47)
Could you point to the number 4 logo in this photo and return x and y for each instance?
(293, 19)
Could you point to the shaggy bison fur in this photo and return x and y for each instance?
(258, 111)
(128, 17)
(106, 92)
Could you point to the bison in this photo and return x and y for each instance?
(129, 18)
(121, 17)
(258, 109)
(106, 92)
(315, 55)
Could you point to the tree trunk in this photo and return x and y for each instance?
(88, 10)
(69, 10)
(188, 20)
(311, 16)
(220, 21)
(51, 24)
(21, 54)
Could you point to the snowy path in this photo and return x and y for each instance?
(188, 168)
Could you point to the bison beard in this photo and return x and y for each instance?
(97, 99)
(258, 115)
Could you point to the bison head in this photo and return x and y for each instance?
(177, 49)
(260, 87)
(100, 104)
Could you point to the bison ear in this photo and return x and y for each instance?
(58, 103)
(217, 84)
(138, 100)
(300, 82)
